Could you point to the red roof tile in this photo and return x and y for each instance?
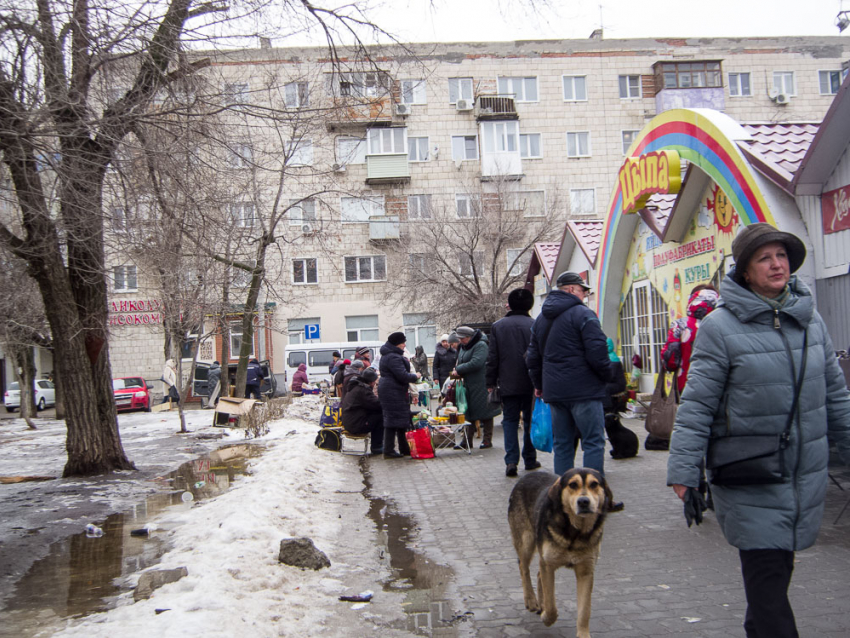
(547, 254)
(782, 144)
(588, 235)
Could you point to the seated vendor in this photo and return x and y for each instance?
(361, 409)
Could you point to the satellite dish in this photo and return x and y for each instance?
(773, 93)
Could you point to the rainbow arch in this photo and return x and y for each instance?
(707, 139)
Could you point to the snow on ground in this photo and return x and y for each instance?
(229, 544)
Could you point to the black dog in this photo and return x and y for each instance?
(624, 442)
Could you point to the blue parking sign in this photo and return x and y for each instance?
(311, 331)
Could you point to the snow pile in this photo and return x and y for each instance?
(235, 585)
(307, 407)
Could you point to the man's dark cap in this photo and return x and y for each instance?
(571, 279)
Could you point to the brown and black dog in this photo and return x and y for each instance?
(561, 519)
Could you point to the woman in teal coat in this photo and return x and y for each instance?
(742, 382)
(471, 366)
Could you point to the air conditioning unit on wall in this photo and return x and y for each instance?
(782, 98)
(403, 109)
(463, 105)
(307, 229)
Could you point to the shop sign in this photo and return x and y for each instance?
(655, 172)
(135, 312)
(696, 247)
(836, 210)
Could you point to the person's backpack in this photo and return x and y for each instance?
(331, 415)
(329, 439)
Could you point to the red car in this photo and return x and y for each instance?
(131, 393)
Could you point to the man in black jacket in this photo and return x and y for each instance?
(569, 366)
(361, 409)
(506, 370)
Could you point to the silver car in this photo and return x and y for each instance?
(45, 395)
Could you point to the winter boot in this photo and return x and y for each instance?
(487, 431)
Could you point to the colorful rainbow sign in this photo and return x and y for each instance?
(704, 138)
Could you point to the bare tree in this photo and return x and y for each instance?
(460, 259)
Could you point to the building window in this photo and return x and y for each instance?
(236, 339)
(467, 206)
(783, 82)
(360, 209)
(372, 268)
(351, 150)
(300, 152)
(370, 84)
(687, 75)
(465, 264)
(644, 313)
(578, 144)
(830, 82)
(387, 141)
(629, 86)
(500, 137)
(236, 94)
(529, 146)
(575, 88)
(518, 260)
(242, 214)
(419, 207)
(420, 332)
(413, 92)
(530, 203)
(464, 147)
(296, 94)
(302, 212)
(583, 201)
(739, 85)
(523, 89)
(240, 156)
(120, 220)
(241, 278)
(417, 149)
(362, 328)
(295, 331)
(628, 139)
(460, 89)
(124, 279)
(305, 271)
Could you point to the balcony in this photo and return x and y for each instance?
(495, 107)
(387, 169)
(385, 228)
(351, 113)
(688, 85)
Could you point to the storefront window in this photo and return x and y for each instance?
(645, 314)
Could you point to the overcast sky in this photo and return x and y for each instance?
(488, 20)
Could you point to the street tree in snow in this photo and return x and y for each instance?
(58, 135)
(463, 255)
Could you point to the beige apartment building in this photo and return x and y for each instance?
(369, 158)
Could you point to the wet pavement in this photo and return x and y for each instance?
(82, 574)
(655, 577)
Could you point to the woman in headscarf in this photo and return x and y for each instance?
(471, 367)
(676, 353)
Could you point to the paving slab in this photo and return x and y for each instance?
(655, 577)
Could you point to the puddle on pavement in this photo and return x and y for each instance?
(423, 582)
(82, 575)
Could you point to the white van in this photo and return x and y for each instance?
(319, 356)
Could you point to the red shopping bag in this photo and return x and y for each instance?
(419, 441)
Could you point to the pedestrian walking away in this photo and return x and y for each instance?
(169, 382)
(214, 383)
(763, 371)
(394, 394)
(255, 379)
(471, 368)
(507, 374)
(569, 366)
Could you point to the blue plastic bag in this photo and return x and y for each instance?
(541, 426)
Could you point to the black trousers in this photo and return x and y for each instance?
(767, 575)
(391, 435)
(376, 428)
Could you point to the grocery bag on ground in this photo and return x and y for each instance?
(541, 426)
(419, 441)
(460, 397)
(331, 416)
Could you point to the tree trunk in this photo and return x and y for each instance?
(224, 329)
(246, 347)
(25, 375)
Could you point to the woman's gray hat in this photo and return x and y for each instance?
(453, 338)
(571, 279)
(464, 331)
(757, 235)
(369, 375)
(358, 364)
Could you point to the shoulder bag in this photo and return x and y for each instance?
(662, 409)
(756, 459)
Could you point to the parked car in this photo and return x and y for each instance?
(200, 388)
(131, 393)
(45, 395)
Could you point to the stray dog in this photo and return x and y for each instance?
(560, 518)
(624, 442)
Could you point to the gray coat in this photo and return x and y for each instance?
(740, 383)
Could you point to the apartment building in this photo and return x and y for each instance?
(373, 159)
